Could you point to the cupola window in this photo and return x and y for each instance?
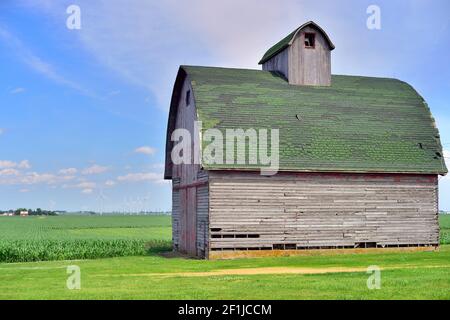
(310, 40)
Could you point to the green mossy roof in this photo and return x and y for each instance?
(358, 124)
(278, 47)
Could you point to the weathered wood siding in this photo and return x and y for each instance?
(185, 175)
(299, 211)
(186, 116)
(301, 65)
(202, 214)
(309, 66)
(279, 63)
(176, 214)
(190, 189)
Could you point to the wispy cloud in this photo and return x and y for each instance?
(110, 183)
(37, 64)
(68, 171)
(2, 131)
(16, 173)
(142, 44)
(144, 176)
(86, 185)
(9, 172)
(33, 178)
(17, 90)
(24, 164)
(95, 169)
(87, 191)
(145, 150)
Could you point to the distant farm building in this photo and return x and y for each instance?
(24, 213)
(359, 158)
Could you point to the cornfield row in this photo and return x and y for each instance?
(67, 238)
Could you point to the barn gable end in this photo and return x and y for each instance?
(303, 57)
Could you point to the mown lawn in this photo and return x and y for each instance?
(413, 275)
(416, 275)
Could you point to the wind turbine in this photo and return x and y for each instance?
(101, 197)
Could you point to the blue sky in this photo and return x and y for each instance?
(83, 112)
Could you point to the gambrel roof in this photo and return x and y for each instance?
(358, 124)
(287, 41)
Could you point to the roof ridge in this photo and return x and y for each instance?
(265, 71)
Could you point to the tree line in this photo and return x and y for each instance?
(31, 212)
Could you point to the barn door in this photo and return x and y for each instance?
(188, 221)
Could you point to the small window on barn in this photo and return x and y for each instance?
(188, 98)
(310, 40)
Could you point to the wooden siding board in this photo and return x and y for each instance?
(190, 203)
(311, 210)
(202, 214)
(310, 66)
(279, 63)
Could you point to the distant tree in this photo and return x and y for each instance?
(18, 211)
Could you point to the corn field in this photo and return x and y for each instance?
(25, 239)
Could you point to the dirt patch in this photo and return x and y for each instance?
(272, 270)
(256, 271)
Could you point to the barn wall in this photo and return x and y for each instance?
(184, 182)
(310, 66)
(298, 211)
(202, 214)
(279, 63)
(186, 115)
(176, 214)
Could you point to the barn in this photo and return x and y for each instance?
(358, 165)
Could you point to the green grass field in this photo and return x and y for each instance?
(81, 237)
(444, 222)
(414, 275)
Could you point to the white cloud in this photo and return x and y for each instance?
(37, 178)
(110, 183)
(13, 176)
(95, 169)
(24, 164)
(85, 185)
(145, 150)
(9, 172)
(24, 190)
(17, 90)
(68, 171)
(7, 164)
(139, 177)
(87, 191)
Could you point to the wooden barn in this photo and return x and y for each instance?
(359, 158)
